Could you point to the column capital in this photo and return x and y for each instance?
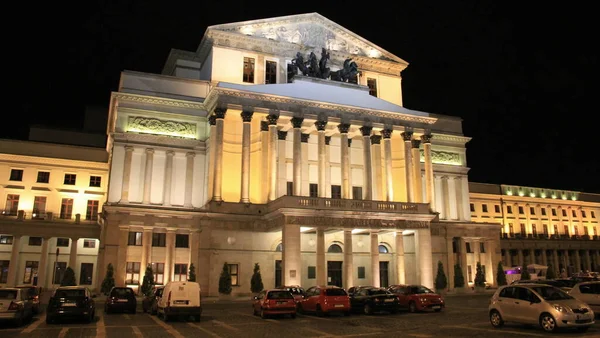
(343, 128)
(220, 113)
(386, 133)
(171, 230)
(129, 148)
(366, 130)
(246, 115)
(264, 126)
(304, 138)
(124, 227)
(375, 139)
(281, 135)
(190, 154)
(170, 153)
(149, 151)
(272, 119)
(212, 120)
(407, 135)
(297, 121)
(426, 138)
(415, 144)
(321, 124)
(148, 229)
(327, 140)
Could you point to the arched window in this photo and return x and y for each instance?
(279, 247)
(334, 248)
(383, 249)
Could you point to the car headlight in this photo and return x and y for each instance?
(423, 300)
(561, 308)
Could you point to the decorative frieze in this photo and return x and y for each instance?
(442, 157)
(356, 223)
(148, 125)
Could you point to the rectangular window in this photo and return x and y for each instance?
(89, 243)
(6, 239)
(586, 231)
(472, 206)
(234, 272)
(134, 239)
(583, 214)
(372, 84)
(43, 177)
(574, 213)
(95, 181)
(484, 208)
(556, 229)
(593, 214)
(566, 228)
(87, 270)
(357, 193)
(532, 210)
(132, 275)
(59, 272)
(543, 211)
(313, 190)
(564, 213)
(545, 227)
(523, 232)
(91, 213)
(454, 245)
(159, 240)
(468, 247)
(182, 241)
(39, 206)
(482, 247)
(66, 208)
(290, 188)
(361, 272)
(16, 174)
(70, 179)
(497, 208)
(511, 230)
(31, 269)
(521, 211)
(181, 271)
(553, 212)
(509, 209)
(4, 270)
(12, 205)
(576, 230)
(159, 272)
(270, 72)
(336, 191)
(62, 242)
(534, 230)
(248, 76)
(312, 272)
(470, 273)
(35, 241)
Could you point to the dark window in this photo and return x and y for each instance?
(312, 272)
(279, 295)
(59, 272)
(454, 246)
(545, 227)
(66, 208)
(521, 211)
(357, 193)
(553, 212)
(290, 188)
(361, 272)
(91, 214)
(31, 269)
(372, 83)
(472, 206)
(35, 241)
(543, 211)
(12, 205)
(135, 238)
(6, 239)
(87, 270)
(62, 242)
(159, 272)
(70, 179)
(159, 240)
(574, 213)
(482, 247)
(39, 206)
(532, 210)
(564, 212)
(314, 190)
(4, 270)
(566, 230)
(509, 209)
(523, 232)
(593, 214)
(181, 271)
(248, 76)
(43, 177)
(468, 247)
(234, 272)
(336, 191)
(89, 243)
(334, 248)
(132, 275)
(182, 241)
(534, 230)
(335, 292)
(270, 72)
(583, 214)
(497, 208)
(95, 181)
(16, 175)
(484, 208)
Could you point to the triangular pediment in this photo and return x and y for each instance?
(310, 30)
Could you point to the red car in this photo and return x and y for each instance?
(417, 298)
(323, 300)
(297, 291)
(274, 302)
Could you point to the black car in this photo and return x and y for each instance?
(373, 299)
(71, 302)
(150, 303)
(120, 299)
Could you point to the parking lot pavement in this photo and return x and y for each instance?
(463, 317)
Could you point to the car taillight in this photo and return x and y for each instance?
(15, 306)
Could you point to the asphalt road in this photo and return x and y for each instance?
(464, 316)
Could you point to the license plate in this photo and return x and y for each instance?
(281, 302)
(389, 300)
(122, 300)
(339, 305)
(436, 307)
(180, 302)
(69, 304)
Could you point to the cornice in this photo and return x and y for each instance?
(174, 55)
(451, 138)
(56, 162)
(157, 101)
(159, 140)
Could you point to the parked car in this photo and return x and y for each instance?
(353, 289)
(150, 303)
(71, 302)
(15, 305)
(540, 304)
(33, 293)
(417, 298)
(274, 302)
(180, 299)
(121, 299)
(372, 299)
(323, 300)
(589, 293)
(296, 290)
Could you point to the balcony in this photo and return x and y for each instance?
(46, 216)
(334, 204)
(529, 237)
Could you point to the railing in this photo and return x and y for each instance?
(549, 237)
(21, 215)
(347, 205)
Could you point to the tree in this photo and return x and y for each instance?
(479, 276)
(192, 274)
(256, 284)
(225, 280)
(550, 273)
(69, 278)
(525, 274)
(459, 279)
(148, 282)
(109, 280)
(500, 275)
(440, 280)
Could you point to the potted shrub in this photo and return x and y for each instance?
(225, 282)
(441, 282)
(459, 279)
(256, 284)
(479, 279)
(500, 275)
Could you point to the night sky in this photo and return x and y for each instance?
(522, 78)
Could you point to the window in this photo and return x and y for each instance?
(12, 205)
(383, 249)
(62, 242)
(593, 214)
(586, 231)
(521, 211)
(357, 193)
(545, 227)
(454, 245)
(553, 212)
(182, 241)
(39, 206)
(159, 272)
(31, 269)
(556, 229)
(472, 206)
(181, 271)
(484, 208)
(583, 214)
(532, 210)
(361, 272)
(534, 230)
(511, 230)
(564, 213)
(509, 209)
(372, 84)
(70, 179)
(6, 239)
(43, 177)
(4, 271)
(89, 243)
(497, 208)
(482, 247)
(576, 230)
(66, 208)
(312, 272)
(290, 188)
(336, 191)
(468, 247)
(35, 241)
(95, 181)
(135, 238)
(279, 247)
(313, 190)
(91, 213)
(87, 269)
(59, 272)
(574, 213)
(132, 275)
(16, 174)
(270, 72)
(566, 228)
(334, 248)
(159, 240)
(234, 273)
(248, 76)
(470, 273)
(523, 232)
(543, 211)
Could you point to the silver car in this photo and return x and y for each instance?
(15, 305)
(545, 305)
(589, 293)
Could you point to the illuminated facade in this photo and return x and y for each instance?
(541, 226)
(53, 196)
(226, 159)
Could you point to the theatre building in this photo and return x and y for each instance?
(252, 150)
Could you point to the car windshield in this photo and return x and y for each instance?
(550, 293)
(279, 295)
(419, 290)
(374, 292)
(335, 292)
(8, 294)
(295, 291)
(63, 293)
(121, 292)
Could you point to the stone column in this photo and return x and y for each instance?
(429, 180)
(446, 197)
(567, 260)
(451, 262)
(189, 179)
(170, 254)
(544, 257)
(126, 174)
(416, 168)
(491, 262)
(368, 166)
(375, 279)
(246, 119)
(387, 151)
(265, 171)
(146, 249)
(217, 184)
(588, 263)
(281, 163)
(121, 266)
(42, 268)
(73, 254)
(460, 215)
(168, 178)
(194, 249)
(520, 258)
(556, 263)
(320, 125)
(148, 175)
(423, 240)
(291, 255)
(327, 167)
(577, 260)
(400, 258)
(14, 261)
(273, 169)
(463, 260)
(348, 260)
(297, 146)
(305, 188)
(476, 251)
(212, 121)
(408, 170)
(321, 263)
(439, 200)
(345, 160)
(378, 185)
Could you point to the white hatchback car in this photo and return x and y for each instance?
(589, 293)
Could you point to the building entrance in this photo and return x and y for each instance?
(278, 274)
(334, 273)
(384, 276)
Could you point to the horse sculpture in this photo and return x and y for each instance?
(348, 73)
(313, 68)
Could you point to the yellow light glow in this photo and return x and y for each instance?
(373, 53)
(532, 195)
(564, 197)
(509, 193)
(573, 198)
(543, 195)
(554, 196)
(521, 193)
(160, 132)
(356, 231)
(305, 229)
(247, 30)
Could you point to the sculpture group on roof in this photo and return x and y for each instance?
(318, 68)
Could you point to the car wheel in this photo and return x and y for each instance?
(547, 322)
(347, 313)
(299, 308)
(197, 318)
(368, 309)
(496, 319)
(19, 321)
(49, 320)
(263, 315)
(412, 307)
(320, 312)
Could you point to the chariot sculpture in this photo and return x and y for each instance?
(318, 68)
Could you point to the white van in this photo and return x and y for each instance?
(180, 299)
